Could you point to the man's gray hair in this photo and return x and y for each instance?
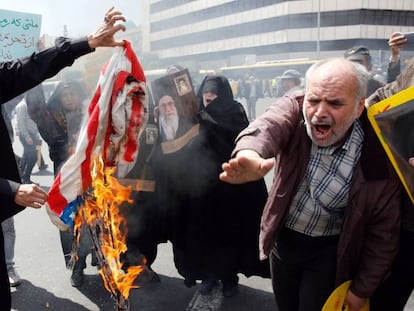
(359, 70)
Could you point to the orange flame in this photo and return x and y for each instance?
(101, 213)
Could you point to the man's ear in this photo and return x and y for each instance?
(361, 106)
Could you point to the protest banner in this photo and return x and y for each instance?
(19, 34)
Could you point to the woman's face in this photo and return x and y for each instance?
(208, 97)
(70, 100)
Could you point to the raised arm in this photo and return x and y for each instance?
(396, 42)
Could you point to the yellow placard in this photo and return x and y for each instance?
(393, 122)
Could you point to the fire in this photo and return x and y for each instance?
(108, 229)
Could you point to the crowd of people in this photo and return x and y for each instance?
(336, 209)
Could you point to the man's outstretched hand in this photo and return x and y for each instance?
(247, 166)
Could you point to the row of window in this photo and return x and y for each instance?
(208, 13)
(293, 21)
(371, 16)
(240, 5)
(283, 48)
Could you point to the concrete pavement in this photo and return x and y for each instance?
(46, 284)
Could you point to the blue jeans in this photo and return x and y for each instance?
(9, 235)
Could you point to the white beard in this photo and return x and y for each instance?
(338, 132)
(169, 126)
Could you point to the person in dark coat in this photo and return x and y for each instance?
(171, 154)
(59, 120)
(142, 213)
(158, 173)
(362, 55)
(16, 77)
(59, 123)
(217, 231)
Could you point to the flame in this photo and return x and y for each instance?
(108, 228)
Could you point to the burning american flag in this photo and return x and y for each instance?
(86, 190)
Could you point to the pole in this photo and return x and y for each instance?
(318, 31)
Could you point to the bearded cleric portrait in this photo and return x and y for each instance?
(175, 110)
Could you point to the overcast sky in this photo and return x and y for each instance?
(80, 16)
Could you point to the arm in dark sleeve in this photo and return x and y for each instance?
(8, 189)
(380, 241)
(394, 69)
(21, 75)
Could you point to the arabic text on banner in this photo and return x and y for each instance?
(19, 34)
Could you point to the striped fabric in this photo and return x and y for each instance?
(318, 206)
(117, 115)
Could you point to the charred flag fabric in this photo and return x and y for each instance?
(116, 117)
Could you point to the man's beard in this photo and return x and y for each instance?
(169, 126)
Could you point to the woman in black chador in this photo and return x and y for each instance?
(216, 225)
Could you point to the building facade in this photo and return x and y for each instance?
(217, 33)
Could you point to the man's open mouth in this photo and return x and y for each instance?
(322, 129)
